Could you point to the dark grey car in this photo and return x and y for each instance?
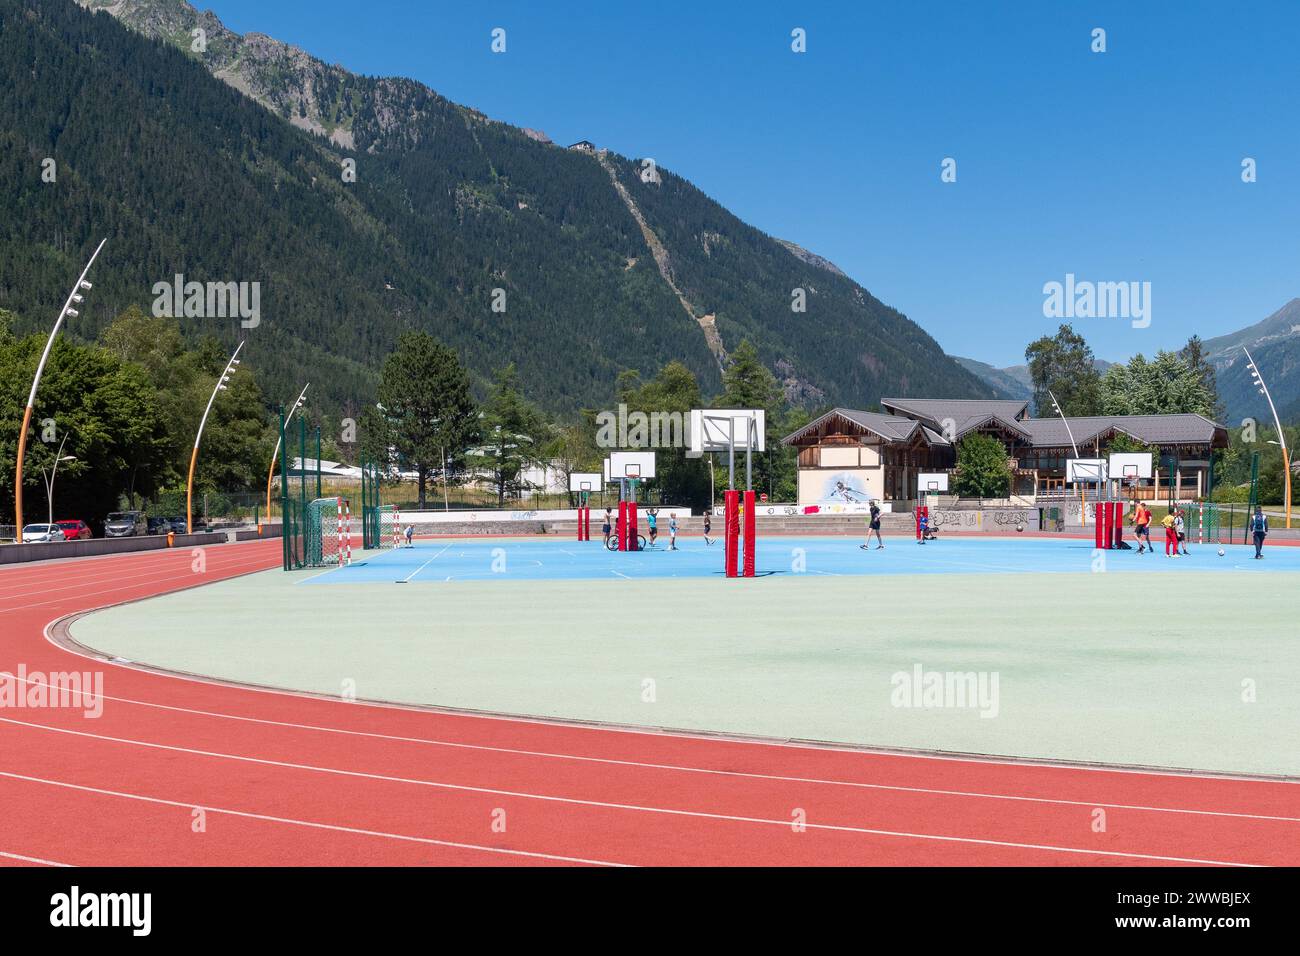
(124, 524)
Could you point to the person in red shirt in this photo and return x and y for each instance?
(1142, 528)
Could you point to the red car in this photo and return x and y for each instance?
(74, 529)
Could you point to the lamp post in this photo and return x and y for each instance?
(74, 297)
(194, 456)
(1083, 494)
(1281, 435)
(54, 470)
(270, 472)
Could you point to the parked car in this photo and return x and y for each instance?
(178, 524)
(158, 525)
(39, 533)
(124, 524)
(74, 529)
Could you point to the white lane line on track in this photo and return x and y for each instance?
(156, 576)
(305, 823)
(145, 571)
(679, 768)
(575, 801)
(31, 859)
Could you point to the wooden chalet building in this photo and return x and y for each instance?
(851, 456)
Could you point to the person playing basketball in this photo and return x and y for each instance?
(652, 524)
(1142, 527)
(925, 528)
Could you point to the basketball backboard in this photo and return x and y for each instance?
(630, 464)
(721, 429)
(584, 481)
(932, 482)
(1131, 465)
(1086, 470)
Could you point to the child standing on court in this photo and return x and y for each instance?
(607, 526)
(873, 527)
(652, 523)
(1259, 528)
(672, 531)
(1171, 535)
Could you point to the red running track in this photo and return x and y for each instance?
(189, 772)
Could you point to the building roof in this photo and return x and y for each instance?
(966, 416)
(1149, 429)
(889, 427)
(937, 409)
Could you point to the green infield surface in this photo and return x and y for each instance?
(1191, 664)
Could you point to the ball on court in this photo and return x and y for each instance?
(1220, 552)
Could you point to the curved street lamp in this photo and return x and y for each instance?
(194, 456)
(1083, 494)
(68, 311)
(270, 472)
(1281, 435)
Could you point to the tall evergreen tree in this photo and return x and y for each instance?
(429, 411)
(513, 435)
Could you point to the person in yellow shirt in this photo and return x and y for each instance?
(1171, 536)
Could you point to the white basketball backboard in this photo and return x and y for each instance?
(1085, 470)
(929, 483)
(584, 481)
(721, 429)
(1131, 465)
(630, 464)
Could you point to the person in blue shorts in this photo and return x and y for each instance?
(607, 526)
(652, 524)
(925, 528)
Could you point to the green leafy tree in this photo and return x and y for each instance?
(106, 409)
(1063, 364)
(513, 435)
(429, 411)
(1193, 354)
(1164, 386)
(982, 469)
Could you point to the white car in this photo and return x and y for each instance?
(37, 533)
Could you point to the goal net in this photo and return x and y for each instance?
(327, 533)
(390, 527)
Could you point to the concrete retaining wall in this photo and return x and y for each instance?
(19, 553)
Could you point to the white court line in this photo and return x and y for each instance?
(744, 774)
(602, 804)
(620, 574)
(303, 823)
(31, 859)
(425, 565)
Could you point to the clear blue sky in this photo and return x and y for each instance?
(1120, 166)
